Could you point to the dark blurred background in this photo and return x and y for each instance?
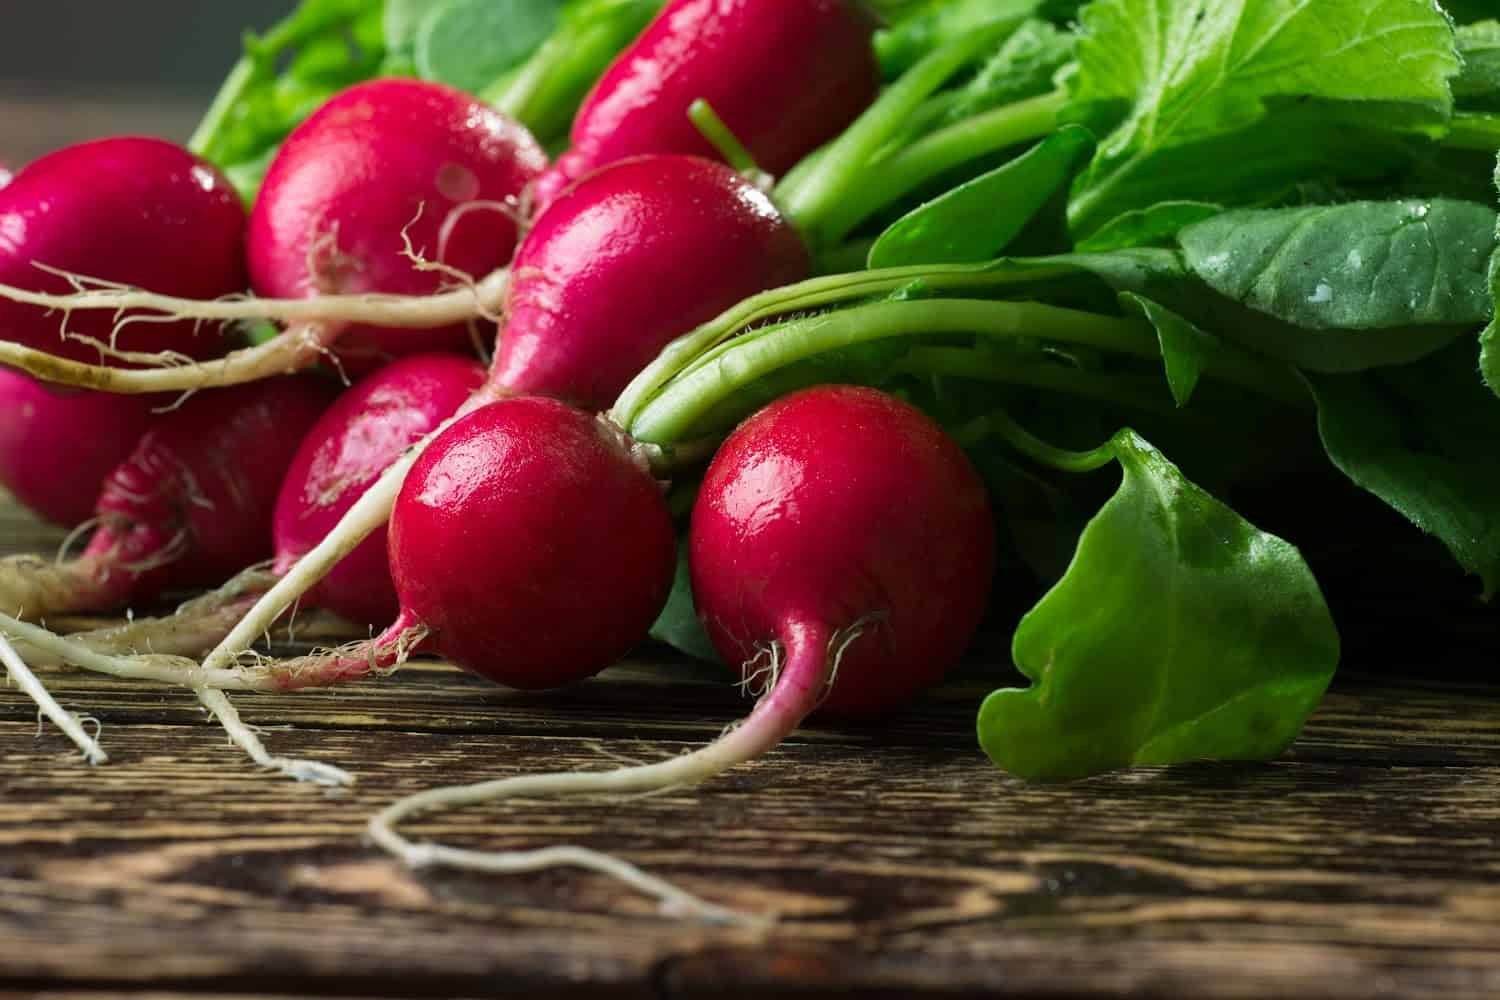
(79, 69)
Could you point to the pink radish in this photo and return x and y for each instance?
(189, 506)
(785, 76)
(636, 255)
(57, 445)
(840, 542)
(366, 429)
(136, 211)
(380, 159)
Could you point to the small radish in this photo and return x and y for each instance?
(366, 429)
(634, 256)
(189, 506)
(57, 445)
(528, 545)
(785, 76)
(841, 542)
(842, 518)
(381, 159)
(382, 165)
(136, 211)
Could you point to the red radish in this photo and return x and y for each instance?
(841, 540)
(57, 445)
(137, 211)
(631, 258)
(841, 511)
(528, 545)
(352, 178)
(785, 76)
(366, 429)
(191, 504)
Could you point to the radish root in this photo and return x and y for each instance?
(207, 685)
(318, 323)
(69, 723)
(805, 677)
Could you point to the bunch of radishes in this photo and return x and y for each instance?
(841, 546)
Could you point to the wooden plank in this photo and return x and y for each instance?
(1366, 862)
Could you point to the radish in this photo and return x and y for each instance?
(389, 190)
(5, 175)
(785, 75)
(380, 159)
(528, 545)
(365, 430)
(57, 445)
(842, 544)
(190, 505)
(135, 211)
(639, 253)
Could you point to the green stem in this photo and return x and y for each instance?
(228, 96)
(671, 415)
(897, 176)
(1138, 392)
(1470, 130)
(545, 91)
(815, 293)
(722, 138)
(807, 195)
(999, 423)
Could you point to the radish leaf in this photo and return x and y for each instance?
(1224, 660)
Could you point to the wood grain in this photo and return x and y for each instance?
(1364, 863)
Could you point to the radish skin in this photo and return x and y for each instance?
(841, 530)
(528, 545)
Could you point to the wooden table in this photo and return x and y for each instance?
(1364, 863)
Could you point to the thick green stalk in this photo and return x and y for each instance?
(815, 293)
(673, 413)
(887, 181)
(1000, 424)
(806, 196)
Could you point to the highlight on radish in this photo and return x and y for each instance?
(842, 548)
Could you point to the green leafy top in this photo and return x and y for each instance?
(1160, 75)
